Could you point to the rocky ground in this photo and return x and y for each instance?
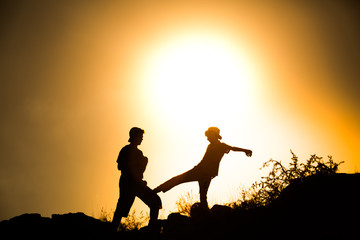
(318, 207)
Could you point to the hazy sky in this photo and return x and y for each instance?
(75, 76)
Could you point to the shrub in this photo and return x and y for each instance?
(269, 188)
(185, 202)
(134, 221)
(105, 216)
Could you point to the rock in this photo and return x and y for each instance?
(66, 226)
(80, 225)
(199, 212)
(74, 219)
(220, 211)
(29, 224)
(177, 227)
(26, 218)
(316, 207)
(325, 203)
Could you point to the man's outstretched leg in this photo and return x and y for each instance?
(188, 176)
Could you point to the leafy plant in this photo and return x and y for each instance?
(269, 188)
(185, 202)
(105, 216)
(134, 221)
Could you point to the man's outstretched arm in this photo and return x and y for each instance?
(248, 152)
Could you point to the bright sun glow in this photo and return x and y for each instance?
(192, 82)
(200, 79)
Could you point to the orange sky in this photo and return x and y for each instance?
(76, 77)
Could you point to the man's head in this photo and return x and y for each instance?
(213, 133)
(136, 135)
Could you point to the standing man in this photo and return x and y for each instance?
(132, 164)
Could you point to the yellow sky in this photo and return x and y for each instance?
(76, 77)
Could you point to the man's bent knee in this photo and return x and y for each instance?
(156, 202)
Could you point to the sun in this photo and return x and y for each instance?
(192, 81)
(200, 79)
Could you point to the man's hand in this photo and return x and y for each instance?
(248, 152)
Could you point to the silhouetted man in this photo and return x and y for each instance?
(208, 167)
(132, 164)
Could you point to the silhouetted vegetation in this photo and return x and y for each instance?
(268, 189)
(308, 196)
(105, 215)
(185, 202)
(134, 221)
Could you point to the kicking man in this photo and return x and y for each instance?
(208, 167)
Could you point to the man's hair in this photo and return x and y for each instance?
(213, 130)
(135, 132)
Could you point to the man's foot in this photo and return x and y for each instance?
(158, 189)
(154, 228)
